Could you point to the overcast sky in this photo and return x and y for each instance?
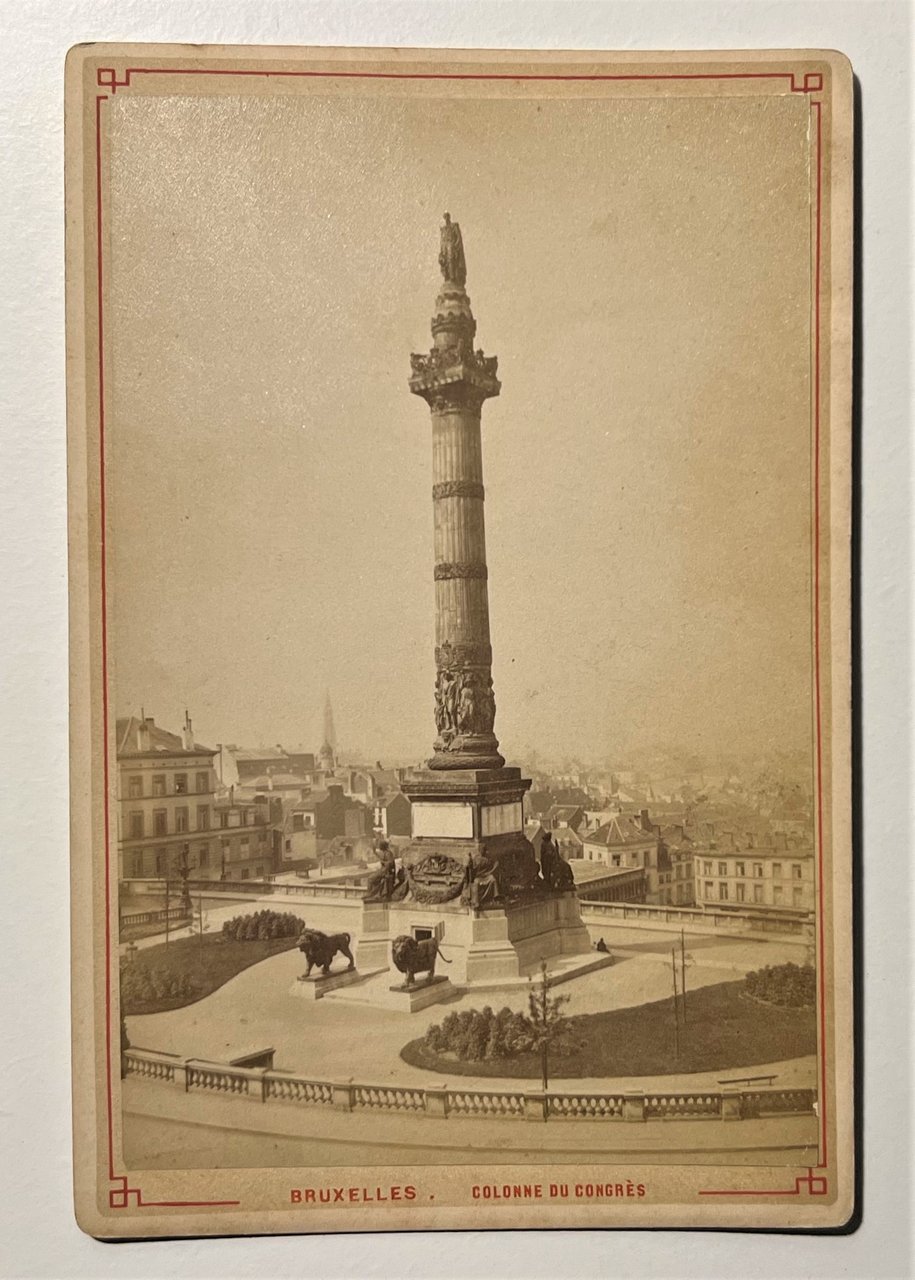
(641, 269)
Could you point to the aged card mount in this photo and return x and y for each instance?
(563, 939)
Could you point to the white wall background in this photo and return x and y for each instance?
(39, 1236)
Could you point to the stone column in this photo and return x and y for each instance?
(454, 380)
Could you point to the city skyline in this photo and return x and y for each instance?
(649, 566)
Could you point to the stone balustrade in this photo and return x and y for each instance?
(335, 889)
(160, 916)
(694, 918)
(441, 1100)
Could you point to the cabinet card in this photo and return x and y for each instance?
(459, 472)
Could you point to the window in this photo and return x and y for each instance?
(777, 870)
(160, 822)
(262, 837)
(245, 873)
(708, 889)
(223, 820)
(722, 891)
(707, 868)
(203, 817)
(158, 784)
(797, 896)
(160, 862)
(203, 782)
(135, 826)
(180, 784)
(741, 868)
(298, 823)
(289, 846)
(135, 786)
(615, 860)
(203, 855)
(757, 893)
(722, 868)
(778, 894)
(245, 843)
(796, 870)
(136, 865)
(245, 817)
(758, 870)
(741, 892)
(259, 872)
(181, 819)
(226, 844)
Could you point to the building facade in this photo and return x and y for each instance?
(764, 879)
(632, 842)
(249, 835)
(392, 815)
(166, 801)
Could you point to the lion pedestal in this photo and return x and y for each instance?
(319, 985)
(404, 999)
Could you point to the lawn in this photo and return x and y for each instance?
(206, 962)
(726, 1030)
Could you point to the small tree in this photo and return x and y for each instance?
(546, 1025)
(201, 920)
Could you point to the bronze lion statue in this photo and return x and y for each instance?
(412, 957)
(320, 948)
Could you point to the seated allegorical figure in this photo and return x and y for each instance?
(382, 882)
(482, 885)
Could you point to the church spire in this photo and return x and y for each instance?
(327, 756)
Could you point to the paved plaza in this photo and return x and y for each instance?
(327, 1039)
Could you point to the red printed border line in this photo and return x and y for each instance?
(816, 1185)
(107, 78)
(121, 1195)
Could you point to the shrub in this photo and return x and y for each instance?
(477, 1034)
(140, 986)
(263, 926)
(790, 986)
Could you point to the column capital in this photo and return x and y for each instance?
(454, 377)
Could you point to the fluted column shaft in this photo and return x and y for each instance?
(455, 380)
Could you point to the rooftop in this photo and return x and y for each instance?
(585, 871)
(620, 831)
(137, 737)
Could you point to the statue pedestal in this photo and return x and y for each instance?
(318, 986)
(381, 993)
(419, 996)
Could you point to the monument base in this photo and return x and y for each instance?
(479, 946)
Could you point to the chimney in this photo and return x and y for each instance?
(143, 732)
(187, 733)
(643, 819)
(232, 794)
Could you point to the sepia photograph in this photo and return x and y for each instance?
(459, 458)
